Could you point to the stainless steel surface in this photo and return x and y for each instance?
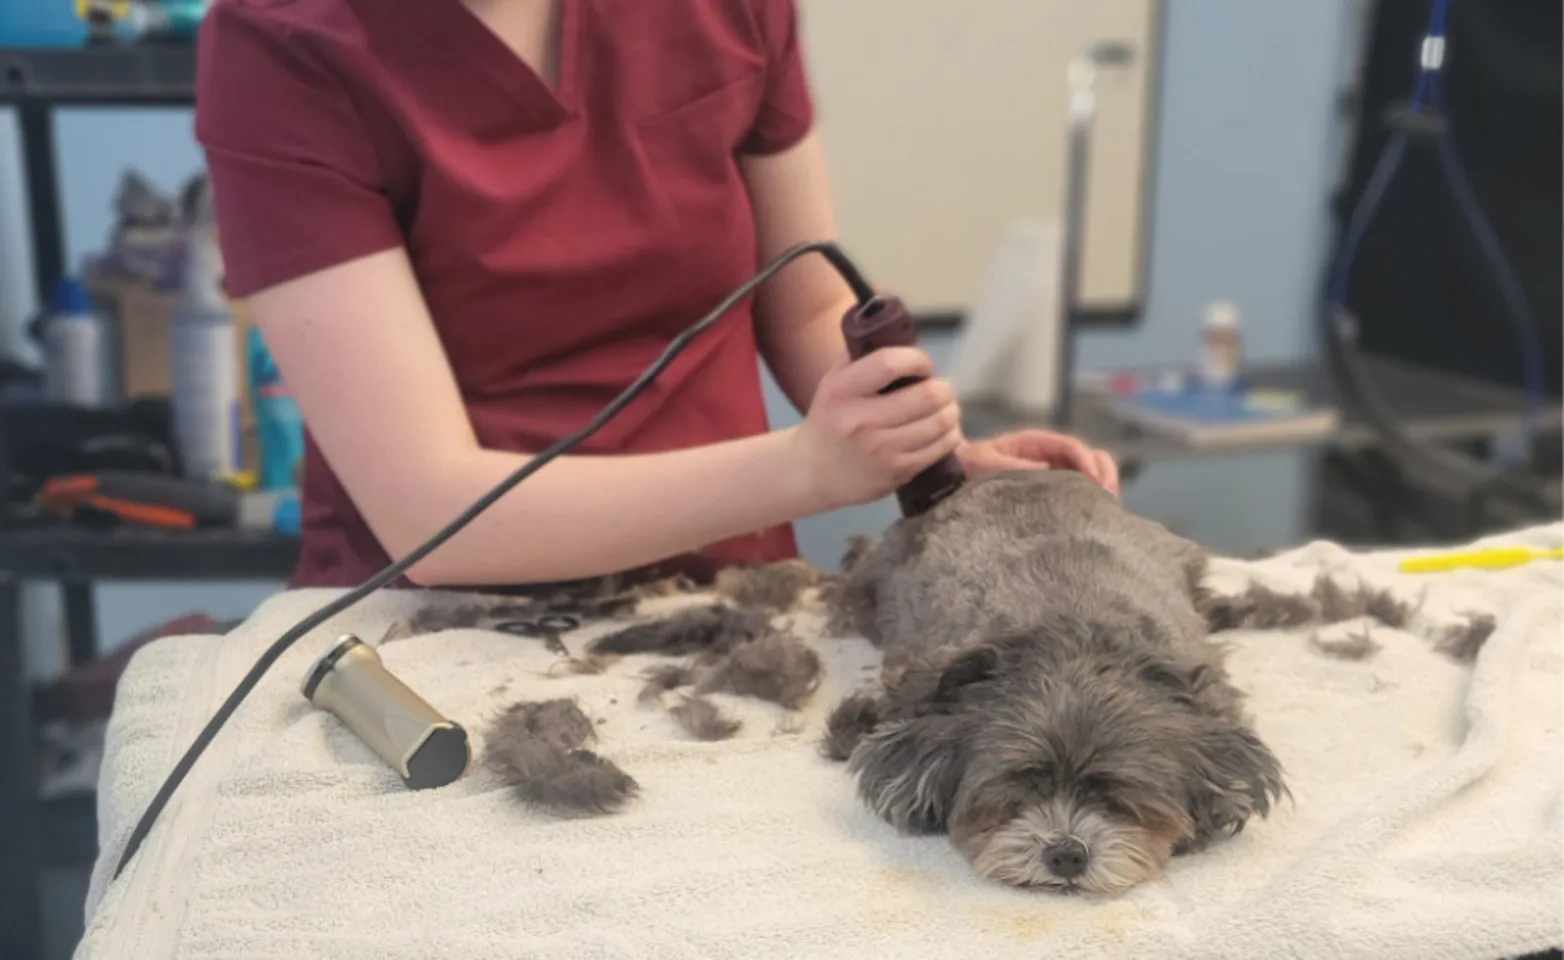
(1435, 405)
(1081, 75)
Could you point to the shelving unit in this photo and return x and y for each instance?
(37, 80)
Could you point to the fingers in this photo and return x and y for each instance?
(871, 374)
(1047, 448)
(1110, 471)
(855, 393)
(925, 431)
(928, 399)
(1070, 452)
(910, 464)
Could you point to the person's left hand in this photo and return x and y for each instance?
(1039, 450)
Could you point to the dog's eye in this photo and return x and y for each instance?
(1038, 777)
(1161, 676)
(1097, 784)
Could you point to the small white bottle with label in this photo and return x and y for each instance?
(76, 349)
(205, 361)
(1221, 353)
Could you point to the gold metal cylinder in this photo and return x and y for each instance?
(423, 747)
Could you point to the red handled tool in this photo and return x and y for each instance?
(141, 499)
(884, 322)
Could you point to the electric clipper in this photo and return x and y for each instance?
(885, 322)
(352, 682)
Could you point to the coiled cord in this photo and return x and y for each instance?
(861, 290)
(1341, 328)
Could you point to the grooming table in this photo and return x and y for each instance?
(1426, 817)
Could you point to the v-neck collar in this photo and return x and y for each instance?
(448, 28)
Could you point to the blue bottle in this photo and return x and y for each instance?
(278, 423)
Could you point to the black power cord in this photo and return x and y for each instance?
(861, 290)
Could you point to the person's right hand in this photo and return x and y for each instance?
(860, 445)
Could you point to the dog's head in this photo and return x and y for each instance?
(1070, 760)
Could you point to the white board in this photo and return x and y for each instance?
(944, 122)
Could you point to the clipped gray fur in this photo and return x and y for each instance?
(538, 748)
(706, 630)
(778, 586)
(1464, 640)
(1259, 607)
(703, 719)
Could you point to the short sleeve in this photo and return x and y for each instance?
(296, 180)
(786, 111)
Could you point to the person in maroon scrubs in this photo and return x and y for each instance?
(463, 226)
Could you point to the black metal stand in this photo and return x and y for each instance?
(36, 81)
(77, 560)
(20, 934)
(43, 197)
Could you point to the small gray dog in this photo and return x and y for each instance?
(1049, 698)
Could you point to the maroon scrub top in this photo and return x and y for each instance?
(562, 234)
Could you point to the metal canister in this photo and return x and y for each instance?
(77, 349)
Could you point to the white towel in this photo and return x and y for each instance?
(1426, 819)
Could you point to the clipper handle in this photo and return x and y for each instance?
(352, 682)
(885, 322)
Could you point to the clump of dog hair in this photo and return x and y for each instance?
(1259, 607)
(832, 587)
(712, 629)
(774, 586)
(1355, 646)
(538, 748)
(587, 666)
(438, 614)
(703, 719)
(438, 618)
(674, 586)
(858, 547)
(731, 649)
(1463, 641)
(777, 667)
(663, 678)
(1338, 603)
(852, 720)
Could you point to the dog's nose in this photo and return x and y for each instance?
(1066, 858)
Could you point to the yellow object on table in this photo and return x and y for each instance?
(1493, 558)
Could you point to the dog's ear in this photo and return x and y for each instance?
(1234, 777)
(1184, 682)
(970, 666)
(936, 682)
(908, 772)
(1198, 684)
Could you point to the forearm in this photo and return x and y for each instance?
(799, 353)
(589, 516)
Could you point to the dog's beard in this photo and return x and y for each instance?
(1119, 854)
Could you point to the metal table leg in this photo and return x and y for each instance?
(21, 937)
(81, 620)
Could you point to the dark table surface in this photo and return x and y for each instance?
(128, 553)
